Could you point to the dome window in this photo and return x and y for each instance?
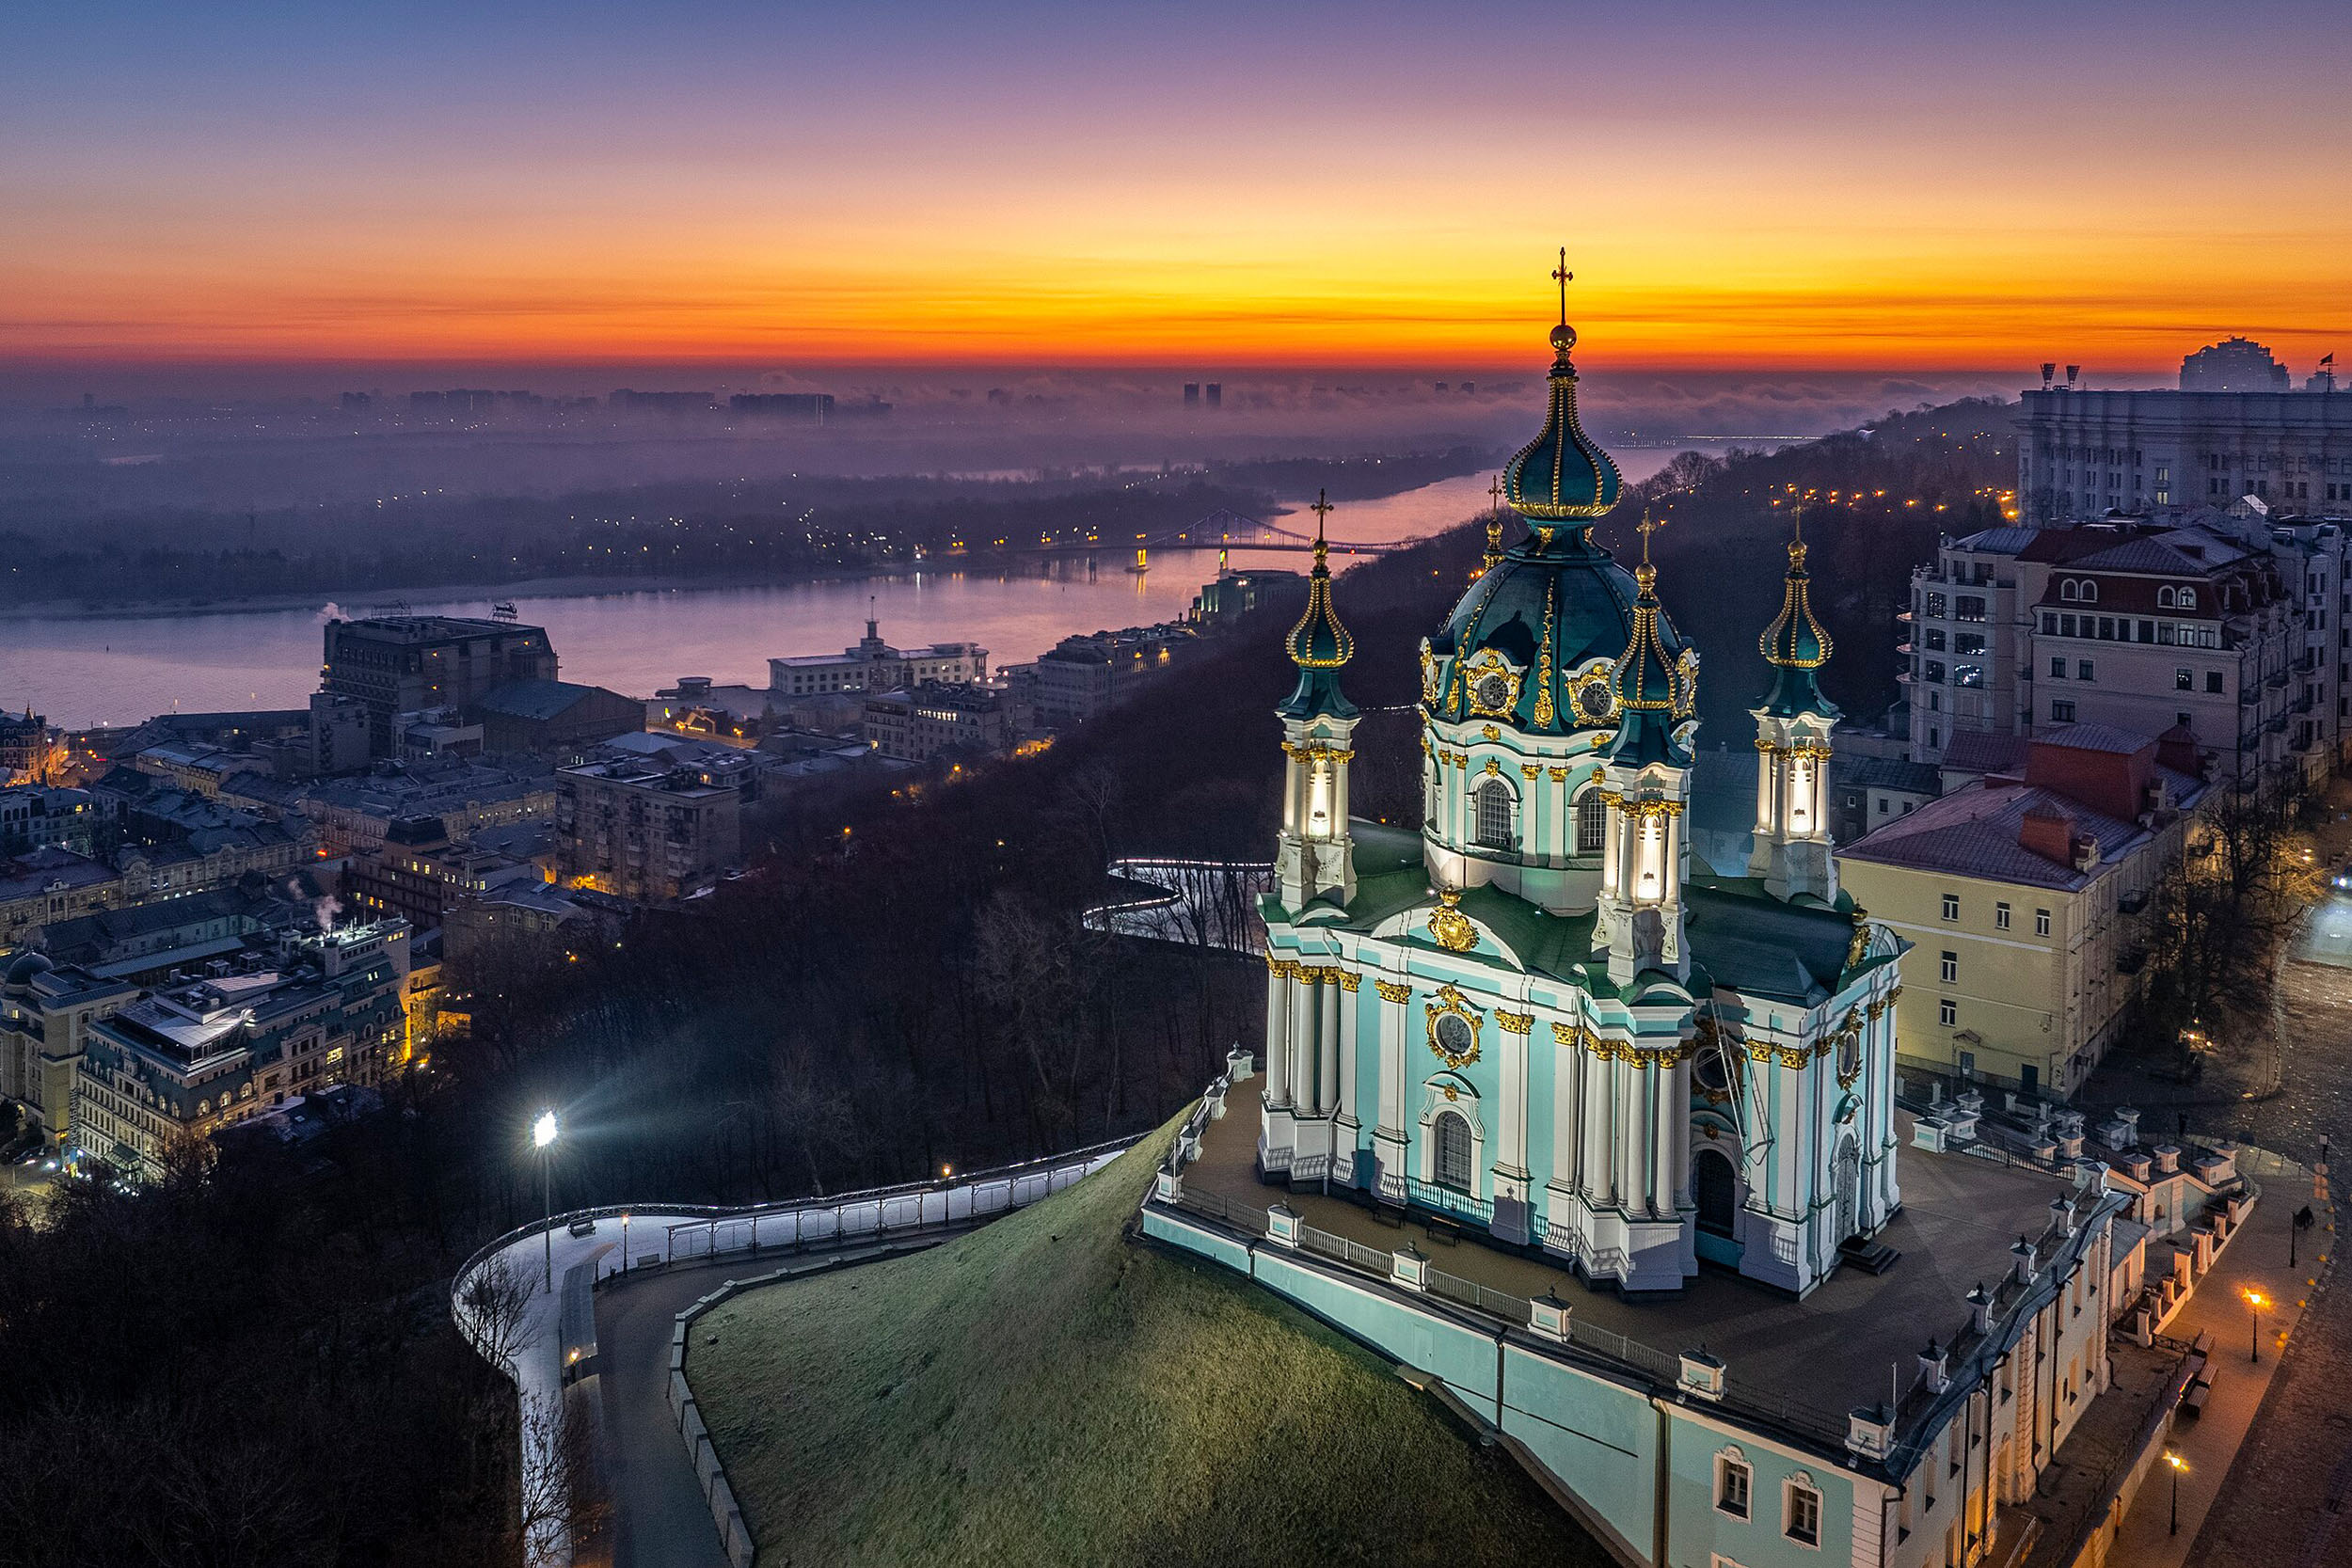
(1494, 814)
(1592, 823)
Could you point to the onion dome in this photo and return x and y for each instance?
(1561, 478)
(1656, 690)
(1795, 645)
(1319, 644)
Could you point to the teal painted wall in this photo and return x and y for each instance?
(1233, 1255)
(1598, 1437)
(1696, 1528)
(1465, 1357)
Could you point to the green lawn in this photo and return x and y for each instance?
(1044, 1391)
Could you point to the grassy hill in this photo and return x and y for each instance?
(1042, 1392)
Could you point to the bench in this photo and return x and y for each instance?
(2193, 1403)
(2203, 1345)
(1442, 1230)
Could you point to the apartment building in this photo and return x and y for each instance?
(656, 826)
(395, 664)
(873, 665)
(2018, 631)
(2023, 899)
(936, 718)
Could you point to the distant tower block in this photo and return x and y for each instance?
(1192, 394)
(1216, 394)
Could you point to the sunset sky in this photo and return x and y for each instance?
(1896, 186)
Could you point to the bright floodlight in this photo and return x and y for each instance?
(543, 1131)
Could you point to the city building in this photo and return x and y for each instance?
(354, 814)
(654, 825)
(2023, 897)
(874, 665)
(435, 732)
(34, 816)
(697, 708)
(1234, 595)
(817, 407)
(395, 664)
(418, 871)
(30, 751)
(937, 720)
(1771, 1322)
(2232, 428)
(2017, 630)
(1080, 677)
(551, 718)
(182, 1063)
(45, 1012)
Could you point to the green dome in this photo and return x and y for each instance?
(1319, 646)
(1555, 603)
(1560, 476)
(1654, 686)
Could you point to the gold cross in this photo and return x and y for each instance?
(1494, 492)
(1322, 509)
(1562, 275)
(1645, 528)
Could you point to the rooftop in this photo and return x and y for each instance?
(1973, 832)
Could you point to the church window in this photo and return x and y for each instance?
(1453, 1152)
(1494, 814)
(1733, 1480)
(1804, 1511)
(1592, 823)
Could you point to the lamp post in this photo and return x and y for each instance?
(2178, 1465)
(542, 1138)
(2256, 1300)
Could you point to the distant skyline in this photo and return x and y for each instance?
(1820, 186)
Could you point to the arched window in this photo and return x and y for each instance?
(2068, 591)
(1494, 814)
(2090, 593)
(2164, 597)
(2187, 599)
(1592, 823)
(1453, 1152)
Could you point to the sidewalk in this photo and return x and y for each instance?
(2255, 1259)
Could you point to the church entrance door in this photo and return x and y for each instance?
(1716, 1187)
(1849, 1190)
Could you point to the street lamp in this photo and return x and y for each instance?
(2178, 1464)
(542, 1138)
(2256, 1300)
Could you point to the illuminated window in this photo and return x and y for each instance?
(1453, 1152)
(1494, 814)
(1592, 823)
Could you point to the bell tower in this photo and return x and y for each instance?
(1314, 858)
(1793, 854)
(1646, 785)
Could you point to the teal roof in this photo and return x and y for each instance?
(1560, 476)
(1556, 602)
(1319, 646)
(1796, 646)
(1652, 688)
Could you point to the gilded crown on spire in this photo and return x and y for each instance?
(1560, 476)
(1794, 645)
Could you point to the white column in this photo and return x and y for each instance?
(1339, 799)
(1393, 1061)
(1567, 1070)
(1327, 1045)
(1303, 1044)
(1278, 1034)
(1631, 1127)
(1345, 1099)
(1511, 1137)
(1594, 1130)
(1764, 769)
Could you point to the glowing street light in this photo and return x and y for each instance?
(2178, 1464)
(2256, 1300)
(542, 1138)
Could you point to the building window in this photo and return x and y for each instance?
(2042, 922)
(2049, 623)
(1592, 823)
(1804, 1514)
(2057, 666)
(1494, 814)
(2164, 598)
(1935, 603)
(1951, 967)
(2184, 678)
(2062, 712)
(1935, 671)
(2000, 917)
(1947, 1012)
(2185, 598)
(1453, 1152)
(1934, 639)
(2212, 682)
(2082, 669)
(1951, 906)
(2068, 591)
(2090, 593)
(1968, 643)
(1733, 1478)
(1967, 606)
(1968, 675)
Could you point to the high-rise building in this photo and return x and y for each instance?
(395, 664)
(2233, 365)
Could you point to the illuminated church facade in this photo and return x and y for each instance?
(1539, 1016)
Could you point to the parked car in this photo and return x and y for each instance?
(582, 1228)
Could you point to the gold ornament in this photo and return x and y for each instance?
(1457, 1046)
(1450, 925)
(1515, 1023)
(1393, 990)
(1490, 683)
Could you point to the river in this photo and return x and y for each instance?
(85, 670)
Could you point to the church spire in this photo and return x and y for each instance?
(1794, 645)
(1561, 478)
(1647, 684)
(1319, 644)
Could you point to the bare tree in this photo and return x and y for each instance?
(494, 1312)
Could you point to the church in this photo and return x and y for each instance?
(1540, 1017)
